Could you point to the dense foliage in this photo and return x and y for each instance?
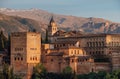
(3, 41)
(40, 72)
(7, 73)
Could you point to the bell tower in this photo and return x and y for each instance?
(52, 28)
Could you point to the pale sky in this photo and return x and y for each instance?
(107, 9)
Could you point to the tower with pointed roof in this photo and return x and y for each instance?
(52, 28)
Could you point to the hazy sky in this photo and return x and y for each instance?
(108, 9)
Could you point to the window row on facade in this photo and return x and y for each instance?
(74, 52)
(33, 48)
(54, 29)
(33, 58)
(18, 58)
(79, 60)
(96, 53)
(18, 49)
(95, 44)
(62, 45)
(113, 44)
(116, 38)
(96, 39)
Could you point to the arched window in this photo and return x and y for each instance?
(90, 44)
(87, 44)
(72, 60)
(21, 58)
(90, 53)
(71, 51)
(15, 58)
(96, 44)
(100, 44)
(75, 51)
(35, 58)
(51, 60)
(78, 51)
(18, 58)
(92, 70)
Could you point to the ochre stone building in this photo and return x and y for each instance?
(84, 53)
(25, 52)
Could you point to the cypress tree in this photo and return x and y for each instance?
(46, 38)
(1, 41)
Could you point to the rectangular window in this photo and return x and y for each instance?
(33, 48)
(18, 49)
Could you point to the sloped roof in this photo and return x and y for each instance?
(59, 33)
(56, 54)
(70, 33)
(81, 57)
(65, 42)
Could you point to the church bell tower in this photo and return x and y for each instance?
(52, 28)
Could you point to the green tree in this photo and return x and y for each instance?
(39, 72)
(3, 41)
(74, 75)
(1, 75)
(115, 74)
(46, 37)
(92, 75)
(101, 74)
(11, 74)
(67, 73)
(5, 71)
(108, 76)
(67, 70)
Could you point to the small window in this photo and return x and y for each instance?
(75, 51)
(15, 58)
(30, 58)
(51, 60)
(90, 53)
(72, 60)
(18, 58)
(71, 52)
(36, 58)
(78, 51)
(21, 58)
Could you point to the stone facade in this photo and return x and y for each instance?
(102, 49)
(84, 53)
(25, 52)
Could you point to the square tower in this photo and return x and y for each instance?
(25, 52)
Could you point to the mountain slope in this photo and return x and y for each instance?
(88, 25)
(10, 24)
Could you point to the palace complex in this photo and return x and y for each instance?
(84, 53)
